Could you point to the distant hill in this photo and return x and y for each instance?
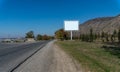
(106, 24)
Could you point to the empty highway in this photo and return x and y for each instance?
(12, 55)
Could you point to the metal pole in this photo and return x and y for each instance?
(71, 34)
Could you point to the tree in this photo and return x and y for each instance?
(95, 36)
(61, 34)
(80, 37)
(30, 34)
(86, 37)
(98, 35)
(39, 37)
(102, 36)
(83, 37)
(119, 35)
(91, 35)
(107, 37)
(112, 40)
(45, 37)
(114, 34)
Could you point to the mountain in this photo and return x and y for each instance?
(106, 24)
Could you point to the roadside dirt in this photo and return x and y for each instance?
(62, 62)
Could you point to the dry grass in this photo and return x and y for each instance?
(91, 56)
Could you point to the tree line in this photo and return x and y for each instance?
(30, 34)
(90, 36)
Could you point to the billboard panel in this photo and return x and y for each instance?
(71, 25)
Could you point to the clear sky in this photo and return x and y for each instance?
(46, 16)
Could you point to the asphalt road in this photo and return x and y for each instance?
(12, 55)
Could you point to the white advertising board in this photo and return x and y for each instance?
(71, 25)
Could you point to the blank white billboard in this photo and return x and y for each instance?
(71, 25)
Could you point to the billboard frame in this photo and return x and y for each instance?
(71, 25)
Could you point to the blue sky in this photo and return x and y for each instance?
(46, 16)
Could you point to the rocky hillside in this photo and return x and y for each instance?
(106, 24)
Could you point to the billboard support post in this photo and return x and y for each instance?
(71, 35)
(71, 26)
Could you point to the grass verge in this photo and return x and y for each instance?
(91, 56)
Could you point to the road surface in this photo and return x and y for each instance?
(51, 58)
(13, 55)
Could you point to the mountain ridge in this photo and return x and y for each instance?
(106, 24)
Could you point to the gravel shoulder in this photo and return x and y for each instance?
(62, 62)
(50, 59)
